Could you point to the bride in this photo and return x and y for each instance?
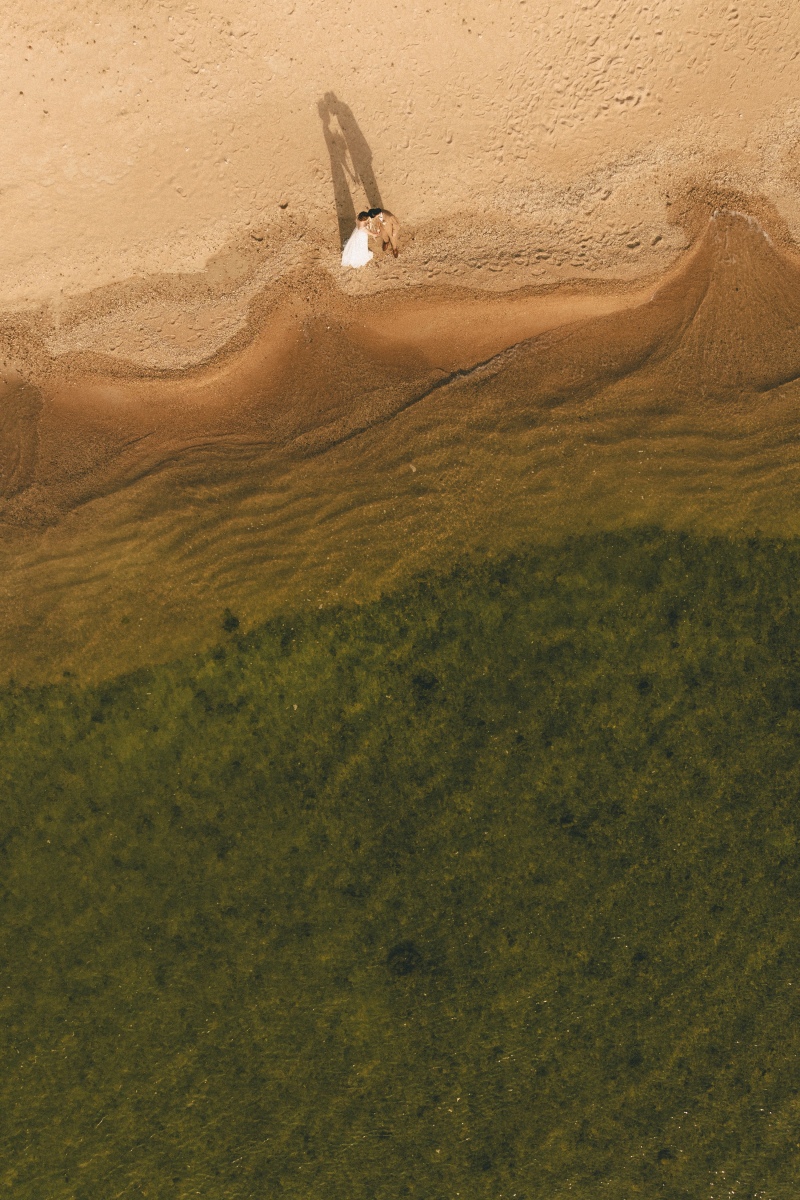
(356, 251)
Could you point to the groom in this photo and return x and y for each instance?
(386, 226)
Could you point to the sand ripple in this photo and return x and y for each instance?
(323, 465)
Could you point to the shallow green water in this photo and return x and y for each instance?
(488, 889)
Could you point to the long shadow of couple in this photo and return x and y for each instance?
(351, 161)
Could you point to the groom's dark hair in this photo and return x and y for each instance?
(374, 212)
(363, 216)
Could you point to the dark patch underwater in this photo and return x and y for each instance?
(488, 888)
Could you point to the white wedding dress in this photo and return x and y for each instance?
(356, 252)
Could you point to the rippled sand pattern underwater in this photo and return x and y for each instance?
(400, 777)
(683, 412)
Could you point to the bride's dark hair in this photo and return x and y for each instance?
(363, 216)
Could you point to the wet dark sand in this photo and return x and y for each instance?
(349, 443)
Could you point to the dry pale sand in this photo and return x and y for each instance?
(167, 163)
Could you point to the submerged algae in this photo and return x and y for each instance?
(485, 889)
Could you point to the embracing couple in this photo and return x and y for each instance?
(375, 223)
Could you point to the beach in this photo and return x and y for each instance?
(398, 666)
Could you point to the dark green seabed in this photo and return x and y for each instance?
(488, 889)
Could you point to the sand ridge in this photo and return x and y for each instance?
(315, 366)
(91, 411)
